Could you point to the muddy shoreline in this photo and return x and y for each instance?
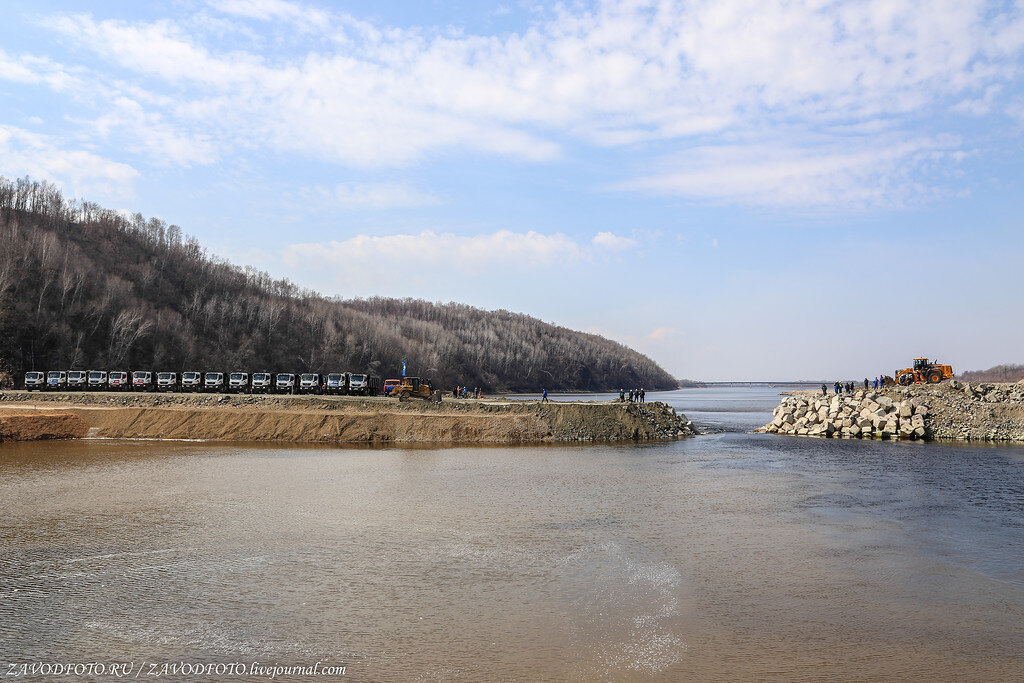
(323, 419)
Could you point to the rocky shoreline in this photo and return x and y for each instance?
(320, 419)
(951, 410)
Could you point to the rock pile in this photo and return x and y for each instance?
(951, 410)
(863, 415)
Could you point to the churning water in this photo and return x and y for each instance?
(725, 556)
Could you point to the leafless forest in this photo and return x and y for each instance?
(86, 287)
(1000, 373)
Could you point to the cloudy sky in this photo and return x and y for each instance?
(742, 189)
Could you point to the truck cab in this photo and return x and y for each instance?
(191, 381)
(284, 383)
(336, 383)
(97, 380)
(213, 382)
(142, 380)
(390, 384)
(309, 383)
(166, 381)
(77, 379)
(117, 380)
(238, 382)
(56, 380)
(35, 380)
(260, 383)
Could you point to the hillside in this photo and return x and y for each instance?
(1001, 373)
(86, 287)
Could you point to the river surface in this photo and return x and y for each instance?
(726, 556)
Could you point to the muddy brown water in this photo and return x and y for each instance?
(727, 556)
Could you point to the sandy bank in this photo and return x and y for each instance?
(949, 410)
(353, 420)
(33, 425)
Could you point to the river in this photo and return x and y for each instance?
(726, 556)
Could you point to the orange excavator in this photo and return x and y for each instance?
(923, 372)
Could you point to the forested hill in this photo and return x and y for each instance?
(85, 287)
(1010, 372)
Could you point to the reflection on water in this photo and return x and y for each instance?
(728, 555)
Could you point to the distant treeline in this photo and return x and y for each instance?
(1000, 373)
(82, 286)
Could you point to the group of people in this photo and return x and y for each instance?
(850, 387)
(635, 395)
(464, 392)
(839, 388)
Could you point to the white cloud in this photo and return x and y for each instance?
(465, 252)
(855, 173)
(78, 171)
(715, 77)
(613, 242)
(266, 10)
(441, 256)
(152, 134)
(35, 70)
(375, 196)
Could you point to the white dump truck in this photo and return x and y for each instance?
(77, 379)
(191, 381)
(142, 380)
(213, 382)
(336, 383)
(309, 383)
(260, 383)
(363, 385)
(35, 380)
(97, 380)
(117, 380)
(284, 383)
(166, 381)
(238, 382)
(56, 380)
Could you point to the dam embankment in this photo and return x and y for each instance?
(36, 425)
(951, 410)
(316, 419)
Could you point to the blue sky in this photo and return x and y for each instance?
(741, 189)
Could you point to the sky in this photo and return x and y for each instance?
(740, 189)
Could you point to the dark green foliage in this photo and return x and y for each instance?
(84, 287)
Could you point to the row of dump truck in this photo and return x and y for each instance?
(339, 383)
